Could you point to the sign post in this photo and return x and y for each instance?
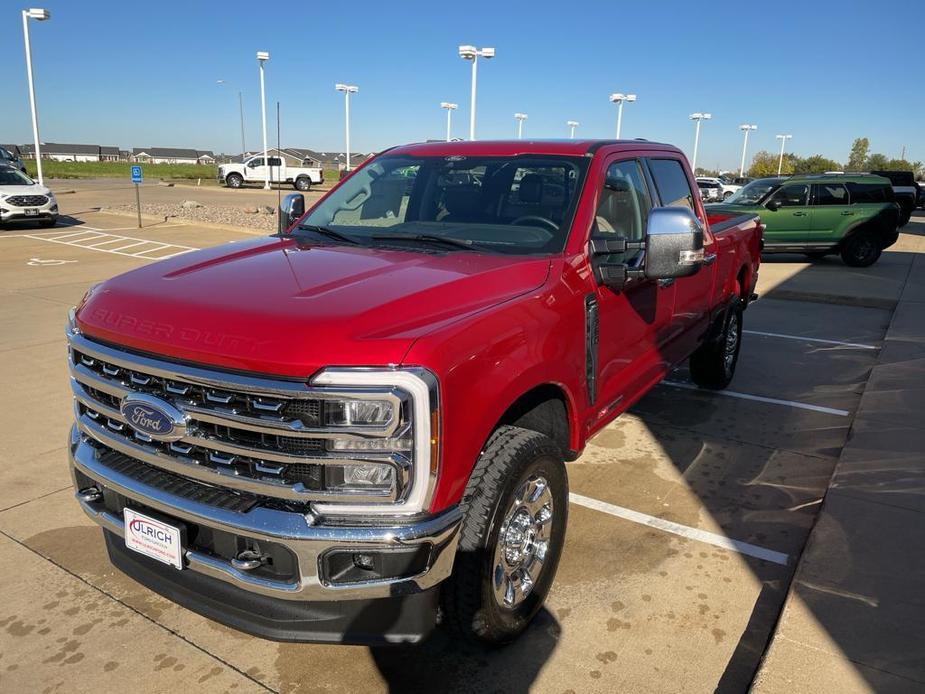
(137, 179)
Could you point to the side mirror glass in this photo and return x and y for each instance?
(674, 243)
(290, 210)
(773, 204)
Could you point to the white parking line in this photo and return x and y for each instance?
(760, 398)
(93, 239)
(681, 530)
(855, 345)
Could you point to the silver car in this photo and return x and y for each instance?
(24, 200)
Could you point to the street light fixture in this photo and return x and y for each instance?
(699, 117)
(780, 162)
(618, 98)
(472, 53)
(746, 128)
(39, 15)
(347, 89)
(262, 57)
(449, 116)
(572, 124)
(241, 108)
(520, 117)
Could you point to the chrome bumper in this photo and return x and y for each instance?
(295, 531)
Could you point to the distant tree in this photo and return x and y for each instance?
(710, 173)
(815, 164)
(900, 165)
(764, 164)
(857, 160)
(876, 162)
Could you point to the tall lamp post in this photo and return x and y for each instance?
(572, 124)
(449, 116)
(38, 15)
(262, 57)
(618, 99)
(520, 118)
(780, 162)
(472, 53)
(699, 117)
(746, 128)
(241, 109)
(347, 89)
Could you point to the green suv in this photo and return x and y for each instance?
(853, 215)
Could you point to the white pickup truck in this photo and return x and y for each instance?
(254, 170)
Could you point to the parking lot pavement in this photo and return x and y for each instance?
(689, 514)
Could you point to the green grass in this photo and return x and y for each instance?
(119, 169)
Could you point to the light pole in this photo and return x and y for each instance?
(262, 57)
(618, 99)
(449, 116)
(699, 117)
(746, 128)
(39, 15)
(472, 53)
(572, 124)
(780, 162)
(347, 89)
(520, 118)
(241, 109)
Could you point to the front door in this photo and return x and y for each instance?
(791, 222)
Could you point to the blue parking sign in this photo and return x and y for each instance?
(136, 174)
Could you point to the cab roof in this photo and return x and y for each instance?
(508, 148)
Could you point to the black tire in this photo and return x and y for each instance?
(302, 183)
(513, 459)
(861, 249)
(728, 194)
(713, 365)
(234, 180)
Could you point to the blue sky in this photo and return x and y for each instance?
(144, 73)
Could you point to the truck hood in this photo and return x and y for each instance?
(278, 306)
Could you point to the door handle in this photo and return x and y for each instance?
(709, 258)
(799, 214)
(847, 214)
(667, 282)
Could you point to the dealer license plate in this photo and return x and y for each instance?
(31, 213)
(153, 538)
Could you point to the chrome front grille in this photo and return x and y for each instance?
(250, 435)
(27, 200)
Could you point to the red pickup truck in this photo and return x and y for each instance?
(330, 433)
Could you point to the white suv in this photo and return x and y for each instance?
(22, 199)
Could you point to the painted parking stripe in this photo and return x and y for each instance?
(760, 398)
(801, 338)
(93, 239)
(681, 530)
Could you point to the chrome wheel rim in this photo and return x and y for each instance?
(523, 543)
(732, 341)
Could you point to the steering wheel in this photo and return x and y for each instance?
(536, 218)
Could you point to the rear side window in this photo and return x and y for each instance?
(673, 187)
(831, 194)
(870, 193)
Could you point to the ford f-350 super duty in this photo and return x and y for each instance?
(340, 431)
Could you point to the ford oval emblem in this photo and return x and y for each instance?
(153, 417)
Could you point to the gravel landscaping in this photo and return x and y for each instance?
(262, 217)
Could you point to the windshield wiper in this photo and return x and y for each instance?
(426, 238)
(330, 233)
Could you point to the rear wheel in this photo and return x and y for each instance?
(714, 364)
(234, 180)
(727, 194)
(515, 509)
(862, 249)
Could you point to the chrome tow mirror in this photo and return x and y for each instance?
(290, 210)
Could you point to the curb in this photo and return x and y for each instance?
(188, 222)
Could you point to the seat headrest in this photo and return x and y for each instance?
(462, 199)
(531, 188)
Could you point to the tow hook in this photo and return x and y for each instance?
(248, 560)
(89, 495)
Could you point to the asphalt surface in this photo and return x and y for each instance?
(689, 513)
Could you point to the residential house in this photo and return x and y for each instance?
(172, 155)
(63, 152)
(110, 153)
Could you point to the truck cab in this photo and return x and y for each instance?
(260, 168)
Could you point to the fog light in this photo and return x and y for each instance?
(363, 561)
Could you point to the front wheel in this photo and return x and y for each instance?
(302, 183)
(727, 195)
(234, 180)
(714, 363)
(861, 250)
(515, 509)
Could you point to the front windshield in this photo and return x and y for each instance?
(754, 192)
(12, 177)
(517, 204)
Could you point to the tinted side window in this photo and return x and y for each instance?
(671, 182)
(831, 194)
(870, 193)
(276, 161)
(793, 195)
(623, 206)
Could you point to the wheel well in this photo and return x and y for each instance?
(543, 409)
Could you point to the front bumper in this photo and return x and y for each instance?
(12, 213)
(306, 598)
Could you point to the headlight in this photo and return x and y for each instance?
(346, 413)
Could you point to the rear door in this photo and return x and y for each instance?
(692, 295)
(792, 221)
(832, 212)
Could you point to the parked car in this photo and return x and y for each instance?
(853, 215)
(904, 190)
(710, 191)
(254, 170)
(920, 196)
(732, 184)
(7, 158)
(24, 200)
(325, 434)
